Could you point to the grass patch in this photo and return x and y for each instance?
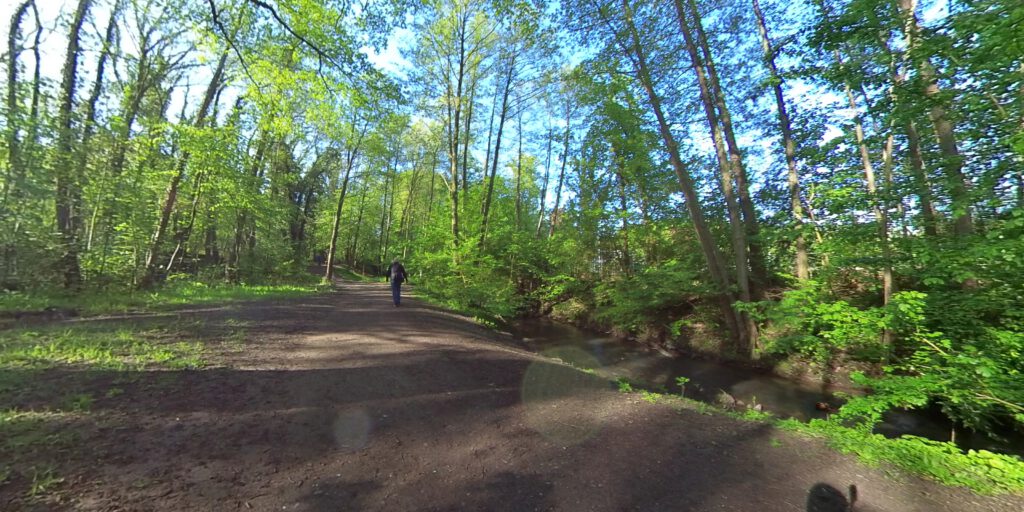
(29, 441)
(121, 349)
(174, 294)
(25, 431)
(979, 470)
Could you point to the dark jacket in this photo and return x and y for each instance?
(396, 273)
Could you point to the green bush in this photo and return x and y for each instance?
(655, 297)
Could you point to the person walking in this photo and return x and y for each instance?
(397, 276)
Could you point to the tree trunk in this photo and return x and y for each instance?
(433, 178)
(519, 169)
(67, 178)
(181, 238)
(172, 189)
(454, 107)
(800, 262)
(726, 164)
(15, 169)
(359, 225)
(759, 272)
(497, 150)
(490, 129)
(349, 164)
(547, 178)
(561, 172)
(625, 260)
(952, 161)
(386, 209)
(90, 111)
(733, 319)
(465, 145)
(881, 214)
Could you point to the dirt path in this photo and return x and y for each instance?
(343, 402)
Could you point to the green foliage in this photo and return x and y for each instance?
(808, 321)
(475, 285)
(656, 296)
(980, 470)
(682, 381)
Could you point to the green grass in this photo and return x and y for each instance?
(980, 470)
(121, 349)
(175, 294)
(25, 431)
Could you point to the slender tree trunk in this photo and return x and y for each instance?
(359, 225)
(952, 161)
(391, 214)
(181, 238)
(390, 177)
(241, 220)
(383, 215)
(15, 170)
(547, 178)
(90, 112)
(626, 259)
(497, 150)
(519, 170)
(924, 187)
(725, 163)
(408, 212)
(800, 262)
(454, 106)
(37, 81)
(68, 179)
(490, 129)
(433, 178)
(332, 251)
(759, 272)
(465, 146)
(561, 173)
(405, 221)
(914, 155)
(713, 257)
(881, 215)
(171, 197)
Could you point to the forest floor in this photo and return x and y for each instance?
(340, 401)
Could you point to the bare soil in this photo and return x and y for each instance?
(341, 401)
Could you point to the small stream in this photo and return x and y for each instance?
(614, 358)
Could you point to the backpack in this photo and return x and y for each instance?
(397, 274)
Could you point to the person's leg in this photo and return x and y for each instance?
(396, 292)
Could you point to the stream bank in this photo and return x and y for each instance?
(712, 381)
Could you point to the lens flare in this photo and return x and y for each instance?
(559, 399)
(352, 429)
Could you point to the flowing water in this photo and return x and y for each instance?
(614, 358)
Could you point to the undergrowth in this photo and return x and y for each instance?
(980, 470)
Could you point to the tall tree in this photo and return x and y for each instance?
(800, 263)
(68, 179)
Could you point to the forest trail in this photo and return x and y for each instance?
(340, 401)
